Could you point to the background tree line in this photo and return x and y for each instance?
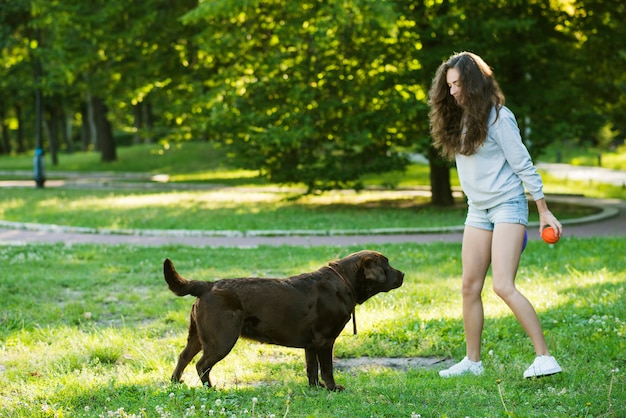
(314, 91)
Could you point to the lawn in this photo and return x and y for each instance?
(232, 209)
(215, 197)
(568, 153)
(93, 331)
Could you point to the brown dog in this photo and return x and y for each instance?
(305, 311)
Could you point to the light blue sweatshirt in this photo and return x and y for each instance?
(501, 166)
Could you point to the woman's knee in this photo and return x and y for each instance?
(472, 288)
(504, 290)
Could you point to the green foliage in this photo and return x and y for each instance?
(313, 96)
(309, 92)
(598, 73)
(315, 116)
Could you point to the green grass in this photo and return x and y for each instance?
(234, 210)
(89, 330)
(93, 331)
(221, 198)
(572, 154)
(206, 163)
(153, 159)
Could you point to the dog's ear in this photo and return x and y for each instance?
(373, 270)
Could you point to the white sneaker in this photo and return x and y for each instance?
(465, 366)
(543, 366)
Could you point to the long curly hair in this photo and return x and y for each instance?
(462, 128)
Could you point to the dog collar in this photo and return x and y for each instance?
(351, 289)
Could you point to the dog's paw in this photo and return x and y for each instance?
(334, 388)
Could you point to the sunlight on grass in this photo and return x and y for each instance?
(180, 200)
(593, 189)
(227, 209)
(365, 197)
(215, 175)
(97, 333)
(218, 199)
(250, 364)
(10, 204)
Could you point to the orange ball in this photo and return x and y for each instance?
(549, 236)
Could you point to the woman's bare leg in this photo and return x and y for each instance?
(506, 253)
(476, 257)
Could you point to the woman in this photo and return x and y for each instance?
(470, 124)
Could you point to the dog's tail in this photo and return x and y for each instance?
(181, 286)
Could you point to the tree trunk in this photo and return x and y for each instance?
(5, 144)
(148, 121)
(91, 122)
(85, 130)
(105, 131)
(67, 129)
(5, 148)
(439, 179)
(137, 123)
(51, 128)
(20, 130)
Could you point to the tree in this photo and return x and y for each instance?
(111, 56)
(16, 73)
(74, 67)
(314, 92)
(306, 89)
(530, 53)
(599, 68)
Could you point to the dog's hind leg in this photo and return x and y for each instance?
(218, 339)
(189, 352)
(312, 369)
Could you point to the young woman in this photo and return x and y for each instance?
(470, 124)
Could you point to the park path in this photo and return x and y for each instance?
(611, 221)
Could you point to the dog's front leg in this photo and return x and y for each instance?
(325, 358)
(311, 366)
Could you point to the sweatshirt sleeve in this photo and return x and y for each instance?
(506, 133)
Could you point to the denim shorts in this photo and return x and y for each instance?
(513, 211)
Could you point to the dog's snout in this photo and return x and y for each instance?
(400, 278)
